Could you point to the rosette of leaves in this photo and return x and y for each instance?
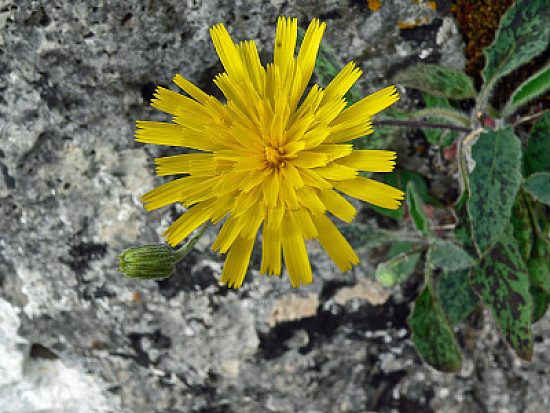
(499, 252)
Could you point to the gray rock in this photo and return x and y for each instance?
(77, 337)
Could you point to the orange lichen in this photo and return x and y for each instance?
(374, 4)
(407, 25)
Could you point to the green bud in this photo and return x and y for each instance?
(148, 261)
(385, 275)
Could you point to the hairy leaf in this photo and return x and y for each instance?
(414, 202)
(449, 256)
(540, 302)
(494, 183)
(523, 232)
(538, 186)
(397, 269)
(463, 229)
(523, 33)
(433, 335)
(531, 89)
(456, 295)
(539, 264)
(537, 157)
(434, 135)
(502, 282)
(438, 81)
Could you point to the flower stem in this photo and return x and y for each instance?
(419, 124)
(188, 246)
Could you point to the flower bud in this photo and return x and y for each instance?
(148, 261)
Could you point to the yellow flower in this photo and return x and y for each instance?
(265, 158)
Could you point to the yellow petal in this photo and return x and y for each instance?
(271, 250)
(253, 66)
(162, 133)
(310, 159)
(343, 82)
(309, 199)
(189, 163)
(368, 106)
(237, 261)
(275, 217)
(312, 178)
(229, 232)
(329, 109)
(334, 151)
(295, 253)
(336, 172)
(307, 55)
(187, 223)
(334, 243)
(271, 188)
(347, 131)
(236, 93)
(316, 136)
(227, 51)
(370, 160)
(246, 200)
(191, 89)
(188, 109)
(337, 205)
(288, 194)
(169, 192)
(252, 221)
(290, 173)
(373, 192)
(285, 42)
(302, 219)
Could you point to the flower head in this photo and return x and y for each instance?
(265, 159)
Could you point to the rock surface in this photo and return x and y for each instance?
(77, 337)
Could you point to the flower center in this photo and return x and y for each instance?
(274, 156)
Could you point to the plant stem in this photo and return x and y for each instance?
(188, 246)
(440, 112)
(419, 124)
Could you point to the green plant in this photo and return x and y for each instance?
(498, 253)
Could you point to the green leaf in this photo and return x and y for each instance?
(531, 89)
(521, 222)
(433, 335)
(400, 179)
(449, 256)
(494, 184)
(463, 229)
(538, 186)
(366, 237)
(456, 295)
(502, 282)
(397, 269)
(414, 202)
(540, 302)
(438, 81)
(401, 247)
(539, 264)
(523, 33)
(537, 156)
(434, 135)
